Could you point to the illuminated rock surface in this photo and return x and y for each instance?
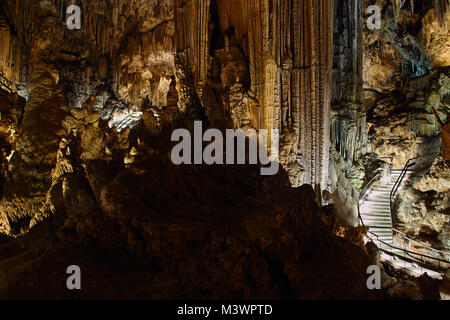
(86, 176)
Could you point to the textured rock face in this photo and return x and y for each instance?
(403, 126)
(424, 210)
(413, 39)
(438, 178)
(84, 160)
(348, 116)
(90, 165)
(200, 232)
(262, 71)
(434, 35)
(396, 60)
(405, 80)
(11, 110)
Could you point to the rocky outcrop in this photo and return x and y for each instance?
(403, 126)
(423, 212)
(198, 232)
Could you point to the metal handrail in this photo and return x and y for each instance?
(399, 182)
(394, 190)
(422, 262)
(412, 256)
(363, 193)
(402, 176)
(404, 236)
(359, 216)
(368, 185)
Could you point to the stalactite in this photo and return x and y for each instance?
(396, 7)
(289, 48)
(348, 123)
(441, 7)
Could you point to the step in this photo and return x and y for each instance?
(385, 239)
(381, 198)
(378, 225)
(377, 218)
(376, 200)
(378, 208)
(369, 209)
(372, 226)
(384, 217)
(380, 229)
(390, 183)
(375, 214)
(386, 233)
(386, 189)
(375, 208)
(373, 223)
(383, 236)
(380, 192)
(376, 203)
(380, 219)
(386, 196)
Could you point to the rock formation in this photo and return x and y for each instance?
(254, 48)
(445, 135)
(406, 97)
(86, 118)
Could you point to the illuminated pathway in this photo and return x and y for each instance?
(376, 214)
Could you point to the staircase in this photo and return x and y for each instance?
(375, 213)
(375, 209)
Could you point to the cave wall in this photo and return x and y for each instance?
(88, 149)
(348, 118)
(254, 50)
(250, 65)
(406, 76)
(95, 185)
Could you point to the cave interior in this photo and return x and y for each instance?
(115, 157)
